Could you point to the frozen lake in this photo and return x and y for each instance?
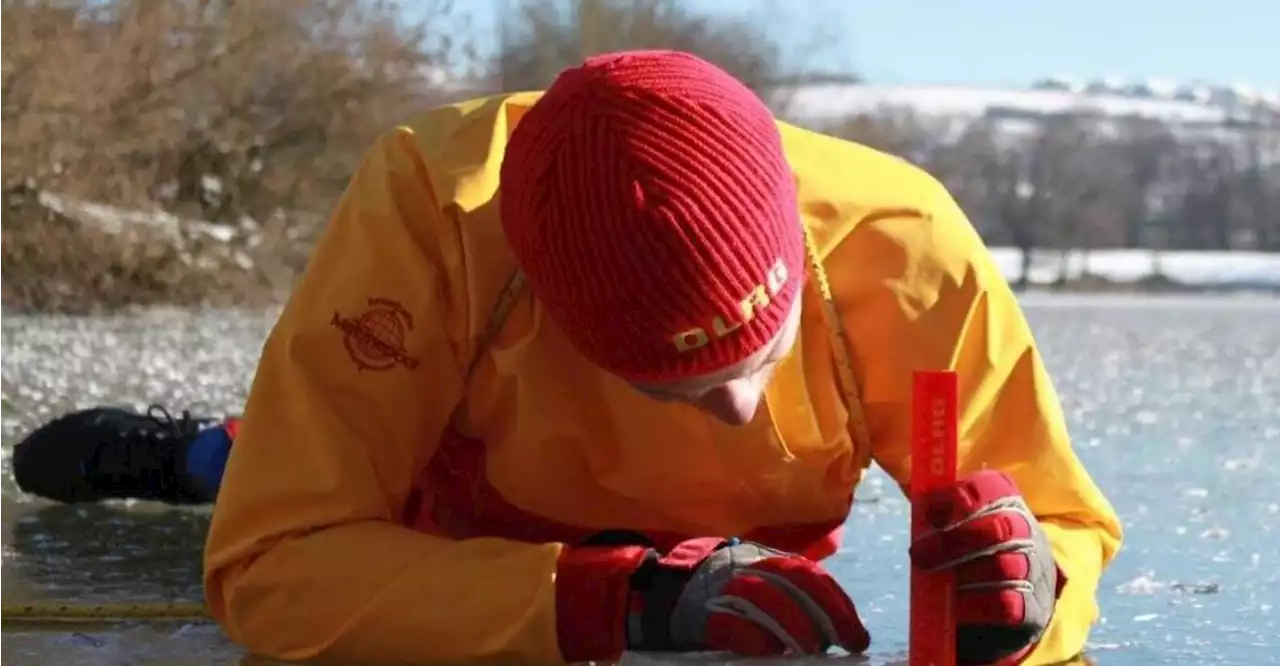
(1174, 404)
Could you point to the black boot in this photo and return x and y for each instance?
(110, 453)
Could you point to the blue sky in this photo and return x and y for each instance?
(1010, 42)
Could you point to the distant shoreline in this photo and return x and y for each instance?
(1153, 286)
(1078, 287)
(1083, 272)
(1144, 270)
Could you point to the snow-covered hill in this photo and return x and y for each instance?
(1202, 107)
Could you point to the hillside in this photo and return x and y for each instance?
(1201, 106)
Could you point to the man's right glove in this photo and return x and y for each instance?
(706, 594)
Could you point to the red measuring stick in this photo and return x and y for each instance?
(933, 465)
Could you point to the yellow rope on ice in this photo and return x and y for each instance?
(55, 612)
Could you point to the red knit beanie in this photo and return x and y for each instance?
(648, 200)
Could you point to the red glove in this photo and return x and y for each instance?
(706, 594)
(1007, 582)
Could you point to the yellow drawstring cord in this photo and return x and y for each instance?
(62, 612)
(840, 346)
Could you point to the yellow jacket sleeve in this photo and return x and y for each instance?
(919, 290)
(307, 557)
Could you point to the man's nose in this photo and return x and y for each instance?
(733, 402)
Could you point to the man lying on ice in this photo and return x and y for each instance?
(559, 352)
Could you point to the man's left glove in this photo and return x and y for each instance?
(715, 594)
(1007, 581)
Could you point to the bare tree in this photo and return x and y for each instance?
(543, 37)
(1256, 189)
(1147, 153)
(901, 133)
(1267, 206)
(44, 107)
(216, 110)
(1039, 190)
(1205, 219)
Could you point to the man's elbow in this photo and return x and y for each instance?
(261, 614)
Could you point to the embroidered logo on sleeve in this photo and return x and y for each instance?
(375, 339)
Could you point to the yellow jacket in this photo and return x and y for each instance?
(389, 499)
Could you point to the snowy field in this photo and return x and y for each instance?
(1250, 270)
